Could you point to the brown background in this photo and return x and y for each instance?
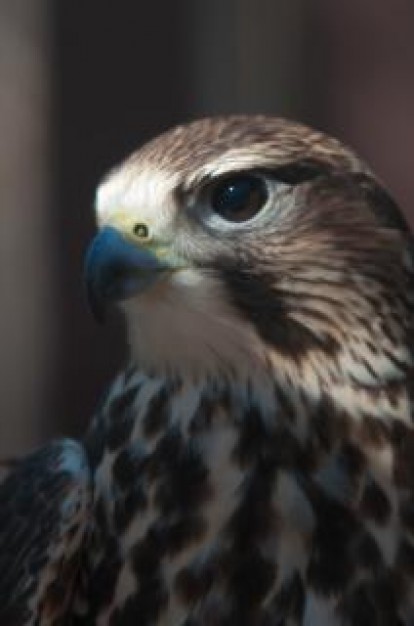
(83, 83)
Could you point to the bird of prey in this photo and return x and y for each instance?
(254, 464)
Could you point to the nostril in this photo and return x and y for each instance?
(141, 231)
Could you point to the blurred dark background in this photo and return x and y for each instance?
(84, 83)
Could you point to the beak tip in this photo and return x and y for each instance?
(95, 304)
(98, 314)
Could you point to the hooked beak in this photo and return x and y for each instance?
(116, 269)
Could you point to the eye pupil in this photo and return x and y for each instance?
(239, 198)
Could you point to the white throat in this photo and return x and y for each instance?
(185, 326)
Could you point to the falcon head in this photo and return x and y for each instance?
(245, 246)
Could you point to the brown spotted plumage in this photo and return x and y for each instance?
(255, 463)
(44, 506)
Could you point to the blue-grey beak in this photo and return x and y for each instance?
(116, 269)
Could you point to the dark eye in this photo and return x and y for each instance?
(239, 198)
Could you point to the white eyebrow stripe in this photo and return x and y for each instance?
(142, 194)
(232, 161)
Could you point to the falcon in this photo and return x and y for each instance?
(254, 463)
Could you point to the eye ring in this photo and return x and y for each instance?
(238, 198)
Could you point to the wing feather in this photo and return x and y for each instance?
(44, 509)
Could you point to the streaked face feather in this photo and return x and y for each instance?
(309, 284)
